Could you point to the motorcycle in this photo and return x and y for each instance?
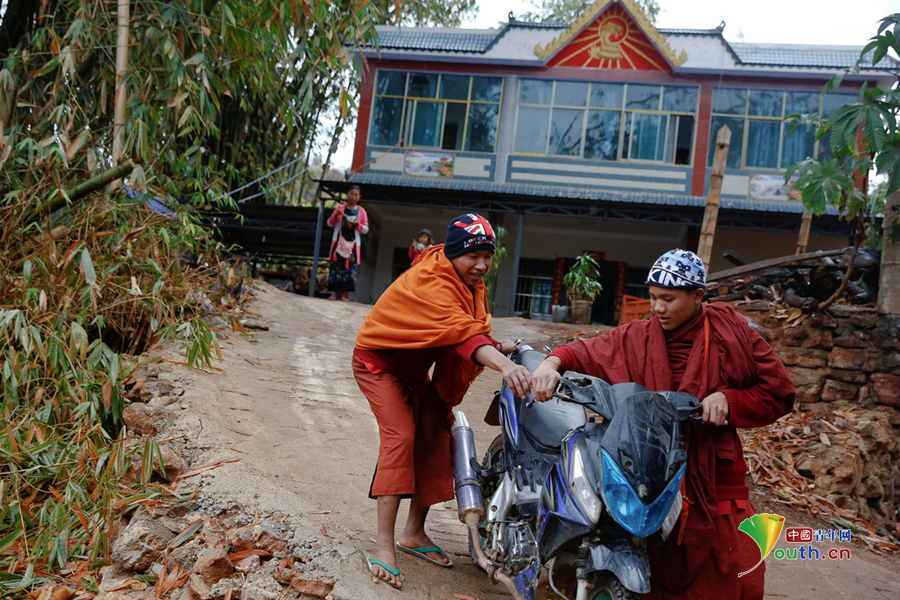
(574, 496)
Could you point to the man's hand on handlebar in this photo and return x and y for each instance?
(507, 346)
(545, 378)
(716, 409)
(517, 378)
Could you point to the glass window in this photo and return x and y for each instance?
(729, 101)
(646, 136)
(570, 93)
(645, 97)
(387, 119)
(443, 122)
(679, 99)
(531, 130)
(481, 135)
(454, 124)
(804, 103)
(535, 91)
(797, 146)
(455, 87)
(760, 137)
(607, 95)
(736, 125)
(427, 119)
(422, 85)
(486, 89)
(680, 139)
(586, 119)
(601, 139)
(831, 102)
(765, 103)
(565, 132)
(390, 83)
(762, 144)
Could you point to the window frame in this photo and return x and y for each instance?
(410, 105)
(747, 118)
(622, 154)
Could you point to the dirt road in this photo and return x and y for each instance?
(285, 403)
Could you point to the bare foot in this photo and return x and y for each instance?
(388, 558)
(423, 541)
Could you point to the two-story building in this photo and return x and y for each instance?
(592, 136)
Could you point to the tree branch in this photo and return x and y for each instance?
(857, 239)
(81, 190)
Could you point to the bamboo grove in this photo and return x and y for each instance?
(92, 275)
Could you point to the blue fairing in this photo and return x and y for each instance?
(626, 506)
(564, 506)
(508, 415)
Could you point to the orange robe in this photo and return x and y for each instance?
(428, 316)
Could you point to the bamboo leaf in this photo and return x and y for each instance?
(186, 534)
(87, 267)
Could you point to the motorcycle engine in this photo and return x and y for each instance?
(521, 546)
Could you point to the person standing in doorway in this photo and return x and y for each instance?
(423, 242)
(349, 221)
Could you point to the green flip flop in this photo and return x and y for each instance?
(423, 554)
(375, 561)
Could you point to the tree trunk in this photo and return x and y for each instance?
(889, 278)
(857, 239)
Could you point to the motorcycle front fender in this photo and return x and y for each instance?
(624, 560)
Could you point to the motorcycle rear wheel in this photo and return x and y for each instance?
(491, 457)
(607, 586)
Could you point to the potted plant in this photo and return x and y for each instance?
(582, 287)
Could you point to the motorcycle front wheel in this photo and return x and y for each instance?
(607, 586)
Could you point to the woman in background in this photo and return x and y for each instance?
(349, 220)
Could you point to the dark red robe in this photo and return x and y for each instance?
(739, 363)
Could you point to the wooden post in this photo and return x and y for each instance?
(711, 214)
(803, 240)
(517, 255)
(121, 70)
(889, 280)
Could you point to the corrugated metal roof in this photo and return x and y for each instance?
(441, 41)
(802, 56)
(713, 32)
(574, 193)
(540, 25)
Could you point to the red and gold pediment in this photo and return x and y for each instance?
(612, 34)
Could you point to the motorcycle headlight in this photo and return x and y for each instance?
(672, 518)
(581, 486)
(627, 507)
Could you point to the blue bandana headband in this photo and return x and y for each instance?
(678, 269)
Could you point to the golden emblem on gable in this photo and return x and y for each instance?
(611, 32)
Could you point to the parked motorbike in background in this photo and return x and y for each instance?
(567, 500)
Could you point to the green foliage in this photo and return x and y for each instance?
(581, 280)
(219, 91)
(429, 13)
(109, 280)
(567, 11)
(862, 137)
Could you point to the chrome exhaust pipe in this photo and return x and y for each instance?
(469, 499)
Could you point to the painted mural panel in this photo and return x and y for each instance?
(612, 41)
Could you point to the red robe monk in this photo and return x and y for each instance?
(435, 314)
(709, 351)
